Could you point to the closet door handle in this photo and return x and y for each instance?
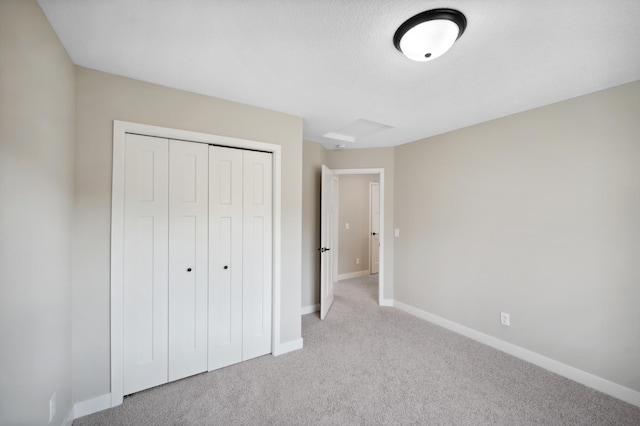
(188, 269)
(226, 267)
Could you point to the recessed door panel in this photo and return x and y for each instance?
(223, 332)
(141, 294)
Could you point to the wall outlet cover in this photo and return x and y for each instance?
(504, 319)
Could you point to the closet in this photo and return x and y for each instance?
(197, 258)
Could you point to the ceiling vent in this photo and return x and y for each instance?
(356, 130)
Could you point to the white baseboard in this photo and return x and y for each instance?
(90, 406)
(69, 418)
(598, 383)
(386, 302)
(353, 275)
(283, 348)
(309, 309)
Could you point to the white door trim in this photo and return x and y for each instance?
(380, 173)
(120, 129)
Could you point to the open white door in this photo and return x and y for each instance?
(328, 248)
(374, 237)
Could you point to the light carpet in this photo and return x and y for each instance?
(367, 365)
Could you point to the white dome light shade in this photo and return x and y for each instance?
(428, 35)
(429, 40)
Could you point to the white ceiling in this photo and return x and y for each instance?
(333, 62)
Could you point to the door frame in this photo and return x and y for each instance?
(380, 172)
(120, 129)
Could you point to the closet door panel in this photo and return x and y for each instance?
(257, 249)
(145, 278)
(225, 260)
(188, 258)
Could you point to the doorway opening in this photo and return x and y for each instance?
(370, 227)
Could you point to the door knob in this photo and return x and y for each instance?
(226, 267)
(373, 233)
(188, 269)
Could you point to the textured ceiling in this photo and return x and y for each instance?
(333, 62)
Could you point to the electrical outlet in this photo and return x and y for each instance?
(52, 408)
(346, 225)
(504, 319)
(396, 232)
(357, 260)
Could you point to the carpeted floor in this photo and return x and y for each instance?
(370, 365)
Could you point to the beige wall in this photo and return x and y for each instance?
(375, 158)
(537, 215)
(353, 209)
(102, 98)
(313, 158)
(36, 211)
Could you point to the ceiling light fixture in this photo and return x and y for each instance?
(429, 34)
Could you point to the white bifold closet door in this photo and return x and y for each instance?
(197, 259)
(240, 246)
(146, 250)
(165, 261)
(188, 258)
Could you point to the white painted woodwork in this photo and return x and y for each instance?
(225, 245)
(374, 234)
(207, 213)
(121, 243)
(145, 253)
(240, 205)
(188, 258)
(257, 254)
(328, 239)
